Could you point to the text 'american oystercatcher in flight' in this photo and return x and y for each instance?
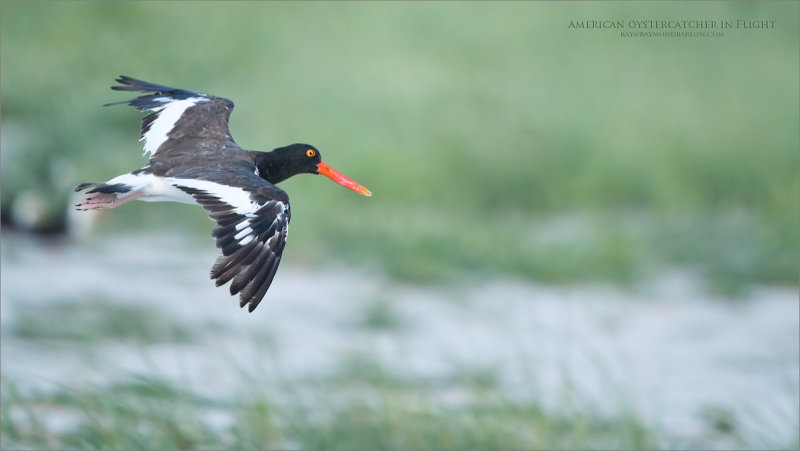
(194, 160)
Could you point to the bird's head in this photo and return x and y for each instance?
(306, 158)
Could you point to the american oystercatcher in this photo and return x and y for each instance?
(194, 160)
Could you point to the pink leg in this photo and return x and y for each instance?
(99, 201)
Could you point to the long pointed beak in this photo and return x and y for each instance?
(341, 179)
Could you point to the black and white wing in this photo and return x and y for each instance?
(179, 119)
(252, 218)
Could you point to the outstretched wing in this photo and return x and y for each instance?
(179, 119)
(252, 218)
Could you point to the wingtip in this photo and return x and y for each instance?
(124, 80)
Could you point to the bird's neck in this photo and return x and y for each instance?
(271, 169)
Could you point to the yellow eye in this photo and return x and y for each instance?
(310, 153)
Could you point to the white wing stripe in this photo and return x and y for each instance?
(168, 115)
(237, 198)
(246, 240)
(243, 233)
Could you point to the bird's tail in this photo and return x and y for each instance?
(83, 186)
(103, 188)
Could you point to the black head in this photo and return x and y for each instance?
(299, 158)
(305, 158)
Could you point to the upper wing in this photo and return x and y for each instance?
(178, 117)
(252, 218)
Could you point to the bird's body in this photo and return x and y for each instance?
(194, 160)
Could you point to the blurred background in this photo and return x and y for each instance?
(576, 239)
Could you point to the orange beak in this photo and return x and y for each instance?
(341, 179)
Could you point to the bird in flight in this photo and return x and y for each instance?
(194, 160)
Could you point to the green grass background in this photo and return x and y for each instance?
(495, 138)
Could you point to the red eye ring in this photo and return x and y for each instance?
(311, 153)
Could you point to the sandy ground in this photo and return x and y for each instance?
(670, 351)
